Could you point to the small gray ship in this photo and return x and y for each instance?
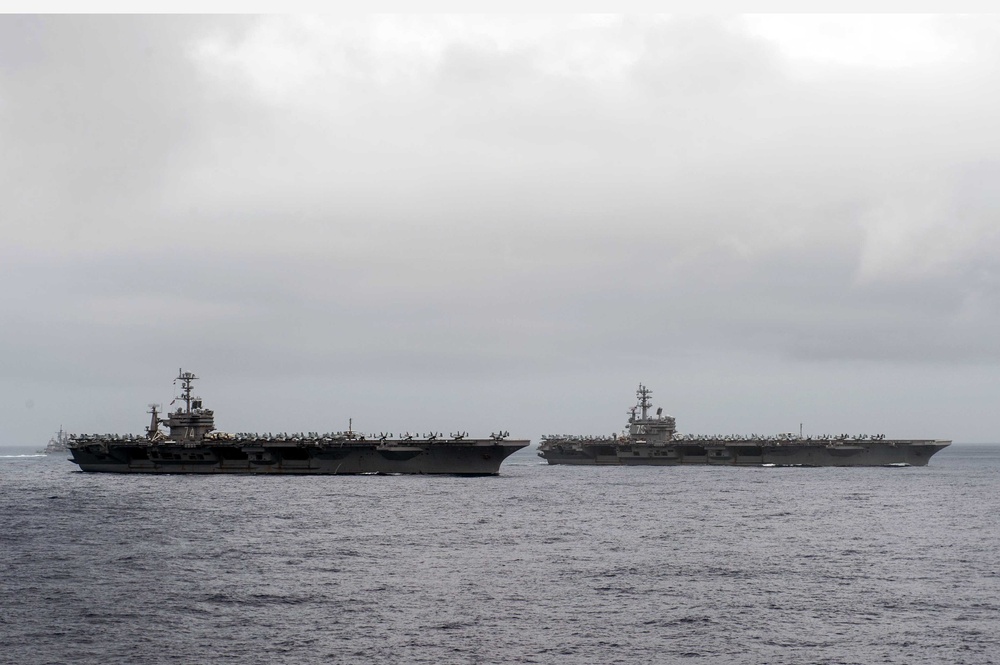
(192, 445)
(57, 444)
(653, 440)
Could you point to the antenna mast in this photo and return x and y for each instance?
(186, 378)
(643, 394)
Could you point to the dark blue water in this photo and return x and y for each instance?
(542, 564)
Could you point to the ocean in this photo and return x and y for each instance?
(542, 564)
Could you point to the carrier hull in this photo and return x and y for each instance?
(466, 458)
(883, 453)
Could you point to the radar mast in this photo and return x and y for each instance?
(643, 394)
(186, 378)
(154, 422)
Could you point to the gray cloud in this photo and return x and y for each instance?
(455, 218)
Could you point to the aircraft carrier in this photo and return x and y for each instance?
(653, 440)
(192, 445)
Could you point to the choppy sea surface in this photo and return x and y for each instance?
(542, 564)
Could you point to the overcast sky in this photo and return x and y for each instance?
(441, 223)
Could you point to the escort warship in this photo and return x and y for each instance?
(192, 445)
(654, 441)
(57, 444)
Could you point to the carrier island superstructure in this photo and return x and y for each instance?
(653, 440)
(192, 445)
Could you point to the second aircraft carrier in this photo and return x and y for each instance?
(654, 440)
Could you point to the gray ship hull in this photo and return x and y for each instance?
(474, 457)
(881, 453)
